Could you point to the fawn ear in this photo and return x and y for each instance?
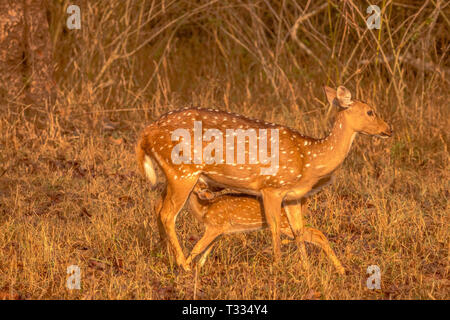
(344, 97)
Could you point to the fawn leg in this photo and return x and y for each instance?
(272, 209)
(295, 218)
(318, 238)
(203, 244)
(172, 204)
(205, 254)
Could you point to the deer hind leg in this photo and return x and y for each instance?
(295, 217)
(272, 209)
(204, 245)
(162, 232)
(172, 204)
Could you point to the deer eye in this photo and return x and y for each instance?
(370, 113)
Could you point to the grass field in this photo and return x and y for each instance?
(71, 194)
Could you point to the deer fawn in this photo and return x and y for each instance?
(222, 213)
(303, 166)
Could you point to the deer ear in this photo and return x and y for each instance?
(344, 97)
(331, 95)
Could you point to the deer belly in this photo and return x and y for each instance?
(322, 183)
(239, 184)
(309, 187)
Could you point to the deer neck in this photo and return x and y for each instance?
(325, 155)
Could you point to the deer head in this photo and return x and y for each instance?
(360, 116)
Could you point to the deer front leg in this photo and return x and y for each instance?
(272, 209)
(294, 212)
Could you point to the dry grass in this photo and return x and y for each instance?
(69, 188)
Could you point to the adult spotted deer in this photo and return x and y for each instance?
(223, 213)
(297, 167)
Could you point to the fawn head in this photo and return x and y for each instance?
(360, 116)
(203, 191)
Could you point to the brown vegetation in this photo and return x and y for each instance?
(70, 192)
